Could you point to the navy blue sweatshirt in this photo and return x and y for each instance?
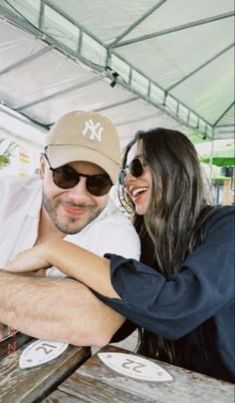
(194, 307)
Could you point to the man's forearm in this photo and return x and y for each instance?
(59, 310)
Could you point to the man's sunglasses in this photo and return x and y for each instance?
(65, 177)
(135, 168)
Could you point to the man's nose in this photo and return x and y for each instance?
(80, 190)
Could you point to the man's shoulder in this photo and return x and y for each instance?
(112, 209)
(110, 232)
(112, 214)
(14, 186)
(18, 182)
(117, 223)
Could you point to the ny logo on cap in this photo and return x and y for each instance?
(94, 130)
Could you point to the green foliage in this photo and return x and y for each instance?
(5, 157)
(4, 160)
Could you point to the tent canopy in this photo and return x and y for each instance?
(143, 63)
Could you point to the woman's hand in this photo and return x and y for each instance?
(30, 260)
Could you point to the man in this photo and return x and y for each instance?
(71, 200)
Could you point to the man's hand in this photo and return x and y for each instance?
(30, 260)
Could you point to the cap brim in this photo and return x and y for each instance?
(64, 154)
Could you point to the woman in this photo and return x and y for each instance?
(182, 291)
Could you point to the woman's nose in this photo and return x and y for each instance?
(129, 178)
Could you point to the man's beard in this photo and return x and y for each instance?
(65, 228)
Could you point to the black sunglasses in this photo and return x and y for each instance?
(135, 168)
(65, 177)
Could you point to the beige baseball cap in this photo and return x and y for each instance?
(85, 136)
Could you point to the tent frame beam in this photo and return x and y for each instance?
(201, 67)
(226, 125)
(136, 23)
(223, 114)
(117, 104)
(174, 29)
(61, 92)
(20, 63)
(148, 89)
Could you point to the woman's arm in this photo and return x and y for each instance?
(203, 287)
(74, 261)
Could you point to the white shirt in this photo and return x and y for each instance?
(20, 204)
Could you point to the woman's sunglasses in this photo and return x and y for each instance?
(135, 168)
(65, 177)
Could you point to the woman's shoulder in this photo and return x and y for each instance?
(221, 218)
(219, 212)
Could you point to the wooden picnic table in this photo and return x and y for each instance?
(30, 385)
(94, 382)
(76, 376)
(8, 345)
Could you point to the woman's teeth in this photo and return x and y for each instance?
(135, 192)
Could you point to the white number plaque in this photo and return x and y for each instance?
(39, 352)
(135, 367)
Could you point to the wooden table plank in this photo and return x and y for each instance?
(15, 342)
(61, 397)
(95, 382)
(94, 391)
(28, 385)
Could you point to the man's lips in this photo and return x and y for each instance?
(74, 211)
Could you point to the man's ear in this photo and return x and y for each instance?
(42, 166)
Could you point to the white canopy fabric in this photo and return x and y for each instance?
(143, 63)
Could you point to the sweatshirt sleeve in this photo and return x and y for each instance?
(173, 307)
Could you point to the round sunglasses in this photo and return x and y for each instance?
(135, 168)
(65, 177)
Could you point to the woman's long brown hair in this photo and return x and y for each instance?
(171, 228)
